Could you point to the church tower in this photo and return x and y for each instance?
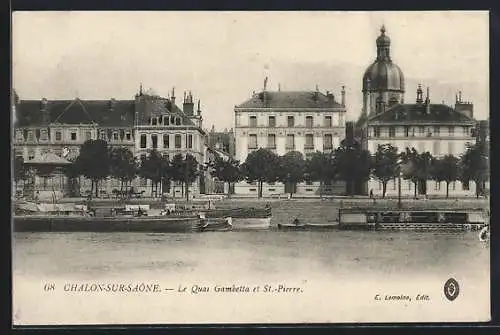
(383, 81)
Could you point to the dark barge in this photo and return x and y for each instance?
(411, 219)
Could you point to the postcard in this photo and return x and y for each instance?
(176, 167)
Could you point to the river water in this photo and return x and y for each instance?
(333, 276)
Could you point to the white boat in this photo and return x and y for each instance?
(251, 223)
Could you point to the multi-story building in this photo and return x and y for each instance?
(144, 123)
(427, 127)
(303, 121)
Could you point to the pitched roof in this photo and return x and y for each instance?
(103, 112)
(417, 113)
(290, 99)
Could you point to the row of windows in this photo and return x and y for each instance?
(271, 121)
(165, 121)
(437, 185)
(290, 141)
(422, 131)
(73, 135)
(166, 141)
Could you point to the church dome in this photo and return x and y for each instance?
(383, 74)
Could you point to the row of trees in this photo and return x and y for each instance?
(97, 161)
(121, 164)
(348, 163)
(351, 164)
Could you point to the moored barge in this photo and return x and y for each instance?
(411, 219)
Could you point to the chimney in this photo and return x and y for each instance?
(45, 111)
(419, 94)
(188, 105)
(342, 101)
(112, 104)
(173, 96)
(464, 107)
(330, 96)
(427, 103)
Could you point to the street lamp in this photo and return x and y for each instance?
(399, 161)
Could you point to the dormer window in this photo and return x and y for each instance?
(178, 121)
(154, 122)
(160, 120)
(166, 121)
(172, 120)
(19, 135)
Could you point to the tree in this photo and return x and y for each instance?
(320, 168)
(409, 167)
(352, 165)
(93, 162)
(417, 167)
(177, 170)
(151, 169)
(474, 165)
(191, 172)
(445, 169)
(226, 170)
(292, 169)
(122, 166)
(385, 165)
(262, 166)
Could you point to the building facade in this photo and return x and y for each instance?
(425, 126)
(147, 122)
(303, 121)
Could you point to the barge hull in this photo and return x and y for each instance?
(85, 224)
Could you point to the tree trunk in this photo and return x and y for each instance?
(415, 184)
(229, 189)
(384, 188)
(259, 189)
(187, 192)
(321, 189)
(97, 188)
(447, 188)
(91, 188)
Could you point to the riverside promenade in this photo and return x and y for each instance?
(328, 201)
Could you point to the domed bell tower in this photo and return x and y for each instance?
(383, 81)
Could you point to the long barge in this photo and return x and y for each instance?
(411, 219)
(68, 223)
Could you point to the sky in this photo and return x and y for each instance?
(222, 57)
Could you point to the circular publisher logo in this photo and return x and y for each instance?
(451, 289)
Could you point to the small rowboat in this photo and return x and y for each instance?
(218, 224)
(296, 225)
